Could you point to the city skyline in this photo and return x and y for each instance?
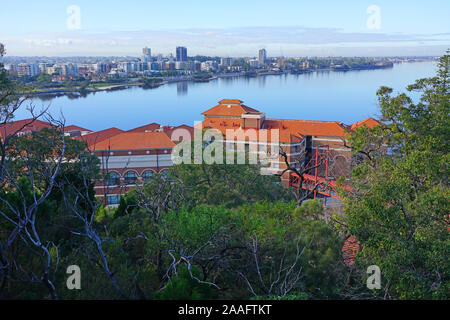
(291, 28)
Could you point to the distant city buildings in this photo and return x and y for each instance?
(146, 55)
(209, 66)
(178, 65)
(262, 57)
(226, 62)
(181, 54)
(25, 69)
(254, 63)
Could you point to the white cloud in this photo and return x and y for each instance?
(231, 41)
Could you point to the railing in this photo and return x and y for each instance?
(326, 185)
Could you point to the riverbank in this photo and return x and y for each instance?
(99, 87)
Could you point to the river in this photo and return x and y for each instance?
(342, 96)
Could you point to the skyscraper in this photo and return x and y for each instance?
(181, 54)
(262, 56)
(146, 54)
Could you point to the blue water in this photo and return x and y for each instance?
(342, 96)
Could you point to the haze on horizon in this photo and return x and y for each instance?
(227, 28)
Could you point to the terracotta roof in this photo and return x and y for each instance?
(22, 126)
(307, 127)
(98, 136)
(230, 108)
(75, 128)
(169, 131)
(156, 127)
(289, 130)
(231, 101)
(135, 141)
(369, 122)
(146, 128)
(349, 250)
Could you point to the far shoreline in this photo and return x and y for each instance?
(167, 80)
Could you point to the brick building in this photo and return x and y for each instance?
(296, 137)
(131, 158)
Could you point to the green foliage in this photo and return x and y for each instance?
(399, 207)
(291, 296)
(184, 287)
(281, 229)
(310, 208)
(229, 184)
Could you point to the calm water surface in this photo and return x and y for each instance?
(342, 96)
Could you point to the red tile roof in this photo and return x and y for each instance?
(135, 141)
(230, 112)
(170, 130)
(75, 128)
(151, 127)
(229, 107)
(22, 126)
(98, 136)
(369, 122)
(289, 130)
(349, 250)
(156, 127)
(231, 101)
(307, 127)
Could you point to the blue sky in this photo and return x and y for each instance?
(233, 28)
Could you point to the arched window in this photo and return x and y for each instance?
(147, 176)
(112, 179)
(113, 200)
(165, 173)
(130, 177)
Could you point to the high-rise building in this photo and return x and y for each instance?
(25, 69)
(262, 56)
(181, 54)
(146, 54)
(226, 62)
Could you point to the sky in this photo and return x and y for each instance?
(225, 28)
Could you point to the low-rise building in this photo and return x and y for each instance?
(130, 158)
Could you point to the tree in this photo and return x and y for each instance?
(299, 167)
(399, 205)
(228, 184)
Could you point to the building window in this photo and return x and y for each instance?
(165, 173)
(113, 199)
(147, 176)
(112, 179)
(130, 177)
(276, 165)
